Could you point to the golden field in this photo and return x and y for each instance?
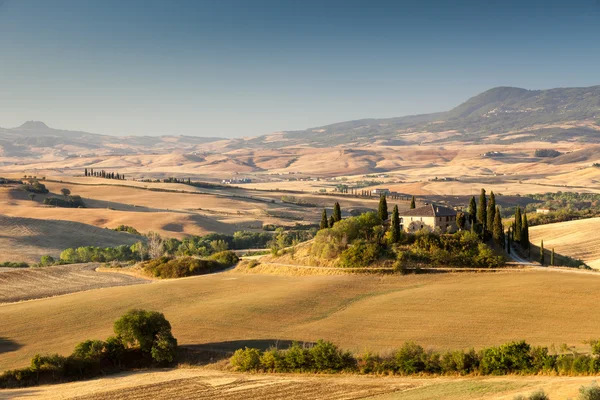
(228, 310)
(577, 239)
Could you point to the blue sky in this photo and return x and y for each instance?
(250, 67)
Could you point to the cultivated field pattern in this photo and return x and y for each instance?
(17, 284)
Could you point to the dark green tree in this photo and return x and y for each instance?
(508, 240)
(395, 233)
(482, 210)
(149, 331)
(413, 203)
(518, 225)
(525, 233)
(337, 212)
(331, 221)
(324, 221)
(552, 257)
(383, 210)
(472, 211)
(498, 229)
(542, 252)
(461, 220)
(491, 212)
(86, 172)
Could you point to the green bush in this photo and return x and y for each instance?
(168, 267)
(246, 359)
(326, 356)
(70, 202)
(508, 358)
(46, 261)
(10, 264)
(360, 254)
(128, 229)
(227, 258)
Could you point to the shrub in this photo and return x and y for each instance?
(10, 264)
(507, 358)
(148, 330)
(246, 359)
(297, 358)
(591, 392)
(89, 349)
(70, 202)
(227, 258)
(168, 267)
(539, 395)
(273, 360)
(360, 254)
(46, 261)
(128, 229)
(326, 356)
(409, 359)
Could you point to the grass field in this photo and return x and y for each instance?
(576, 239)
(230, 310)
(203, 383)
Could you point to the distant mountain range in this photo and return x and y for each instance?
(500, 115)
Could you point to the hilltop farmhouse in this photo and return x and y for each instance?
(430, 217)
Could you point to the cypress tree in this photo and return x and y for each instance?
(472, 211)
(331, 221)
(525, 233)
(497, 231)
(337, 212)
(383, 210)
(86, 173)
(552, 257)
(542, 253)
(395, 225)
(413, 203)
(508, 240)
(324, 223)
(482, 209)
(518, 225)
(491, 212)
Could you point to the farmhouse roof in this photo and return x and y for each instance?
(430, 211)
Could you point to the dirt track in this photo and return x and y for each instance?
(18, 284)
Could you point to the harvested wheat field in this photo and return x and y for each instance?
(577, 239)
(203, 383)
(229, 310)
(17, 284)
(28, 239)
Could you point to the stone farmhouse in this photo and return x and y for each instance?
(432, 217)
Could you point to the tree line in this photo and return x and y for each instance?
(517, 357)
(103, 174)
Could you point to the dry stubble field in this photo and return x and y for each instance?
(206, 383)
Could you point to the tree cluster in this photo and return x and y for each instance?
(141, 339)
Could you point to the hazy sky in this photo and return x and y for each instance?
(251, 67)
